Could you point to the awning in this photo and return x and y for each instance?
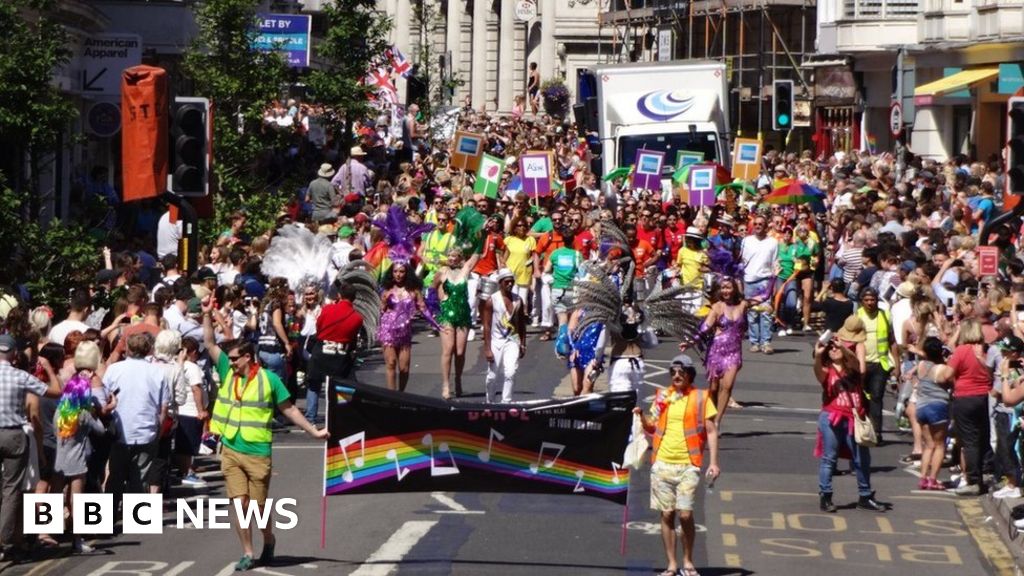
(956, 82)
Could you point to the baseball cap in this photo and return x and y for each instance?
(346, 231)
(682, 361)
(206, 273)
(1012, 343)
(7, 343)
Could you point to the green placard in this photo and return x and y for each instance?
(686, 157)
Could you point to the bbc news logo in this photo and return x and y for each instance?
(144, 513)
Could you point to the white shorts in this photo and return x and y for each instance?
(625, 374)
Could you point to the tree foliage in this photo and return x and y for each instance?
(356, 36)
(240, 82)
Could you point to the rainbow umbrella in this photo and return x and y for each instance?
(738, 185)
(793, 192)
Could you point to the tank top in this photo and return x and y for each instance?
(502, 327)
(928, 392)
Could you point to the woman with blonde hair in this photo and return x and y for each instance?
(972, 383)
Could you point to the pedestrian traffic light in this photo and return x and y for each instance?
(782, 105)
(190, 146)
(1015, 145)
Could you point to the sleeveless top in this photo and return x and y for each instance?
(502, 327)
(928, 392)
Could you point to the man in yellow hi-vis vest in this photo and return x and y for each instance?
(682, 421)
(242, 417)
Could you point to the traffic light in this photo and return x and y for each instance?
(1015, 145)
(782, 105)
(190, 146)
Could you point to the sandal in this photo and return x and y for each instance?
(668, 572)
(688, 572)
(545, 337)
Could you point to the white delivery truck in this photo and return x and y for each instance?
(664, 106)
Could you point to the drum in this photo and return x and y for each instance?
(487, 287)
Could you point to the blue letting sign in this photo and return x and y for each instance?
(285, 33)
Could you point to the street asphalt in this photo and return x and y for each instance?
(762, 516)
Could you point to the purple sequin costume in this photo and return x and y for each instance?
(726, 351)
(396, 321)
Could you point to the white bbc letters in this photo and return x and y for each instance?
(43, 514)
(92, 513)
(142, 514)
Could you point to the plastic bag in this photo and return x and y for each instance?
(637, 447)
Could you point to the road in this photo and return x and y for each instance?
(761, 518)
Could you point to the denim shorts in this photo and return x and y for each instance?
(933, 413)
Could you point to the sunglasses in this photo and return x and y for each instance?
(677, 371)
(235, 358)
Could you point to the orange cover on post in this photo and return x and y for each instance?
(144, 112)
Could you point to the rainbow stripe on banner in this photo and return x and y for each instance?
(355, 462)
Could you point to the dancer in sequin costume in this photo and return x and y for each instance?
(586, 361)
(452, 289)
(726, 324)
(401, 300)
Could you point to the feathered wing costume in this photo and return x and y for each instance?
(298, 255)
(468, 225)
(367, 302)
(605, 301)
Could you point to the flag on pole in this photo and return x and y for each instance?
(488, 176)
(381, 80)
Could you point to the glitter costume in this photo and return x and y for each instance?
(455, 307)
(726, 352)
(396, 321)
(588, 345)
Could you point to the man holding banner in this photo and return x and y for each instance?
(682, 422)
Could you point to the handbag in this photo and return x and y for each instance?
(863, 431)
(637, 447)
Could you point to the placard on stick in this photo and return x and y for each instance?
(988, 260)
(467, 149)
(685, 158)
(647, 171)
(746, 158)
(535, 171)
(702, 185)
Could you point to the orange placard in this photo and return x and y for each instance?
(746, 158)
(467, 148)
(143, 132)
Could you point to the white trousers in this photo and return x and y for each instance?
(625, 374)
(472, 285)
(506, 359)
(543, 307)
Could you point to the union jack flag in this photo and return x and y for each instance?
(381, 79)
(399, 63)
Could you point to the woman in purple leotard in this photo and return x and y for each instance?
(727, 323)
(401, 300)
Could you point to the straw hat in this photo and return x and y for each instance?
(853, 330)
(326, 171)
(726, 220)
(356, 151)
(906, 289)
(694, 233)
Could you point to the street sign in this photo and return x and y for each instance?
(104, 119)
(103, 58)
(526, 10)
(896, 119)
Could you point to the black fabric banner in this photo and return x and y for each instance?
(385, 441)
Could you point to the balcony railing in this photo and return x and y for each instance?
(857, 9)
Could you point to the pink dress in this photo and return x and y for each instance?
(396, 321)
(726, 350)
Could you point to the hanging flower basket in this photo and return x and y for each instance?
(556, 98)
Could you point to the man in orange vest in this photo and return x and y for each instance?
(682, 422)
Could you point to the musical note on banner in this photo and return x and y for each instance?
(615, 471)
(436, 470)
(345, 443)
(540, 454)
(399, 472)
(579, 482)
(486, 456)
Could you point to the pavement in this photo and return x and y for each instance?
(761, 517)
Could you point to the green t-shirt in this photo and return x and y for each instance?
(278, 394)
(564, 263)
(787, 254)
(543, 225)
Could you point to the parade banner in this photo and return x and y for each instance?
(535, 169)
(466, 150)
(488, 176)
(746, 159)
(384, 441)
(287, 34)
(647, 172)
(144, 109)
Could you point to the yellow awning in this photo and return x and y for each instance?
(955, 82)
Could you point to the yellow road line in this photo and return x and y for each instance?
(729, 540)
(728, 520)
(47, 567)
(725, 495)
(733, 561)
(989, 542)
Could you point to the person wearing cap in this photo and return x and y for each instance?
(682, 420)
(341, 251)
(323, 195)
(692, 262)
(835, 368)
(354, 177)
(724, 236)
(503, 317)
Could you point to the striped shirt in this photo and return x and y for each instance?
(851, 260)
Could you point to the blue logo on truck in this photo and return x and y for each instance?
(664, 104)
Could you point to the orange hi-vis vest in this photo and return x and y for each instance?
(693, 425)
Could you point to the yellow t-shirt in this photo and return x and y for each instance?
(520, 253)
(672, 449)
(691, 263)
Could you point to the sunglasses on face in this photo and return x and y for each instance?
(236, 357)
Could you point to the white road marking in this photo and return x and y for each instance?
(385, 560)
(454, 507)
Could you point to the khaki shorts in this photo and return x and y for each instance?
(245, 475)
(673, 486)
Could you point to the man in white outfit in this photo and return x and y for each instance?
(504, 327)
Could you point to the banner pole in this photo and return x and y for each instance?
(323, 522)
(625, 522)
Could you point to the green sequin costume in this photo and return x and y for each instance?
(455, 308)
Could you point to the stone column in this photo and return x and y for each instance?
(506, 61)
(403, 14)
(453, 39)
(547, 39)
(478, 80)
